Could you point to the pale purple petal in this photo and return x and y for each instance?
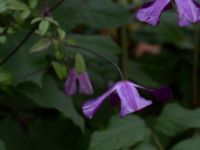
(189, 12)
(85, 85)
(131, 101)
(152, 11)
(70, 84)
(91, 106)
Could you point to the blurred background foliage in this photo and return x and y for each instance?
(36, 114)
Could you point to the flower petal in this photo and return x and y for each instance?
(131, 101)
(189, 12)
(91, 106)
(162, 94)
(85, 85)
(70, 84)
(151, 12)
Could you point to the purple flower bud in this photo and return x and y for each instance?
(129, 97)
(74, 79)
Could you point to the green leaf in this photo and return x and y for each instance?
(40, 45)
(5, 77)
(60, 70)
(103, 45)
(50, 97)
(3, 6)
(104, 15)
(189, 144)
(145, 146)
(175, 119)
(33, 3)
(43, 27)
(36, 20)
(24, 14)
(80, 63)
(2, 145)
(121, 133)
(137, 73)
(3, 39)
(61, 34)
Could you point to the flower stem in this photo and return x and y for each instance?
(195, 66)
(100, 55)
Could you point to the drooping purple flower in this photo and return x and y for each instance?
(188, 11)
(78, 82)
(151, 11)
(127, 93)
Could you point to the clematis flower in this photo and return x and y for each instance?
(188, 11)
(130, 99)
(82, 80)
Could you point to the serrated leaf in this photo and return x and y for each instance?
(60, 70)
(41, 45)
(51, 97)
(175, 119)
(189, 144)
(43, 26)
(121, 133)
(33, 3)
(80, 63)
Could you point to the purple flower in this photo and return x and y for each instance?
(82, 80)
(128, 95)
(188, 10)
(151, 11)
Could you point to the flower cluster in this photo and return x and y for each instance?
(124, 91)
(188, 11)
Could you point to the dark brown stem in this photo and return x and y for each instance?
(27, 36)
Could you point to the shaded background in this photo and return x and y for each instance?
(36, 114)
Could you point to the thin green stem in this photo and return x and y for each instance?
(195, 66)
(100, 55)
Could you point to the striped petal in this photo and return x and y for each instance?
(91, 106)
(131, 101)
(151, 12)
(70, 84)
(85, 85)
(189, 12)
